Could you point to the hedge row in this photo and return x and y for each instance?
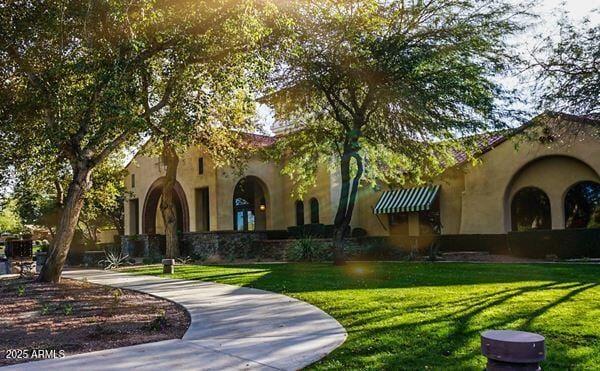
(569, 243)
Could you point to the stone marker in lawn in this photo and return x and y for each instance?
(168, 266)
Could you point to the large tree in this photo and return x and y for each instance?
(384, 89)
(72, 83)
(568, 68)
(38, 197)
(212, 100)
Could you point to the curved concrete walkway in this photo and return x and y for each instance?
(232, 328)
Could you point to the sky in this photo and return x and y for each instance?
(548, 13)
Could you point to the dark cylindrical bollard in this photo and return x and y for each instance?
(508, 350)
(168, 266)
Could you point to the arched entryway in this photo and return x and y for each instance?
(152, 222)
(250, 205)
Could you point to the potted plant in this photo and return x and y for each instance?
(42, 254)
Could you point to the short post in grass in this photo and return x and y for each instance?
(168, 266)
(513, 350)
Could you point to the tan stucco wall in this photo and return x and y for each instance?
(474, 199)
(147, 170)
(554, 175)
(489, 185)
(107, 235)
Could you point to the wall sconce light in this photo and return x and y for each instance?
(262, 206)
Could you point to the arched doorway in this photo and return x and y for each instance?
(152, 222)
(530, 209)
(582, 205)
(250, 205)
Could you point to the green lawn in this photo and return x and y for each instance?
(429, 315)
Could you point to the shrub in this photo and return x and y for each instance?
(159, 323)
(311, 230)
(277, 234)
(308, 250)
(359, 232)
(374, 248)
(113, 260)
(184, 260)
(67, 309)
(77, 249)
(153, 258)
(214, 258)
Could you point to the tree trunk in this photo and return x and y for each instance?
(118, 224)
(167, 205)
(65, 230)
(347, 201)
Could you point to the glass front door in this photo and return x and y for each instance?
(245, 220)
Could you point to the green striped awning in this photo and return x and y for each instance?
(409, 199)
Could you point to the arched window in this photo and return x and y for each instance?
(582, 205)
(314, 211)
(299, 212)
(530, 209)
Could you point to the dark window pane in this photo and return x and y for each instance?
(314, 211)
(582, 206)
(299, 213)
(530, 209)
(200, 166)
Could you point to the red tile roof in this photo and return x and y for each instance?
(258, 140)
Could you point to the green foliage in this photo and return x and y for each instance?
(311, 230)
(21, 290)
(184, 260)
(373, 248)
(80, 80)
(153, 258)
(67, 309)
(113, 260)
(10, 222)
(568, 69)
(45, 309)
(386, 91)
(117, 295)
(359, 232)
(103, 208)
(308, 250)
(159, 323)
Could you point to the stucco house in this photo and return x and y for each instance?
(543, 175)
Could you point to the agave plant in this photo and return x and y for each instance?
(113, 260)
(184, 260)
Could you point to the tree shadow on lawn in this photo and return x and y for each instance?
(451, 340)
(409, 315)
(449, 337)
(298, 278)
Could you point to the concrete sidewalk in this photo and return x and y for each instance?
(232, 328)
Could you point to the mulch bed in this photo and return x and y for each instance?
(78, 317)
